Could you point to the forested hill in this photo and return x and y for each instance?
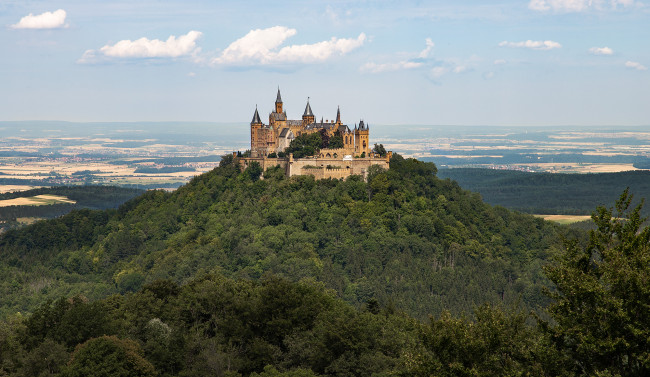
(550, 193)
(405, 238)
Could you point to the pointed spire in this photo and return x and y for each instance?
(308, 111)
(279, 98)
(256, 117)
(338, 114)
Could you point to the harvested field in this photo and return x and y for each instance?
(565, 219)
(38, 200)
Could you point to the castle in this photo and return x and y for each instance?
(269, 141)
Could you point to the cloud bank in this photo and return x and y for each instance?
(173, 47)
(568, 6)
(47, 20)
(262, 47)
(533, 45)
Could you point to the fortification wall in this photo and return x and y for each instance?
(322, 167)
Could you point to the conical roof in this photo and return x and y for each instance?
(308, 111)
(279, 98)
(338, 114)
(256, 117)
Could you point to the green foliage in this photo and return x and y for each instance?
(601, 306)
(336, 141)
(404, 236)
(497, 343)
(254, 171)
(379, 149)
(550, 193)
(305, 145)
(108, 356)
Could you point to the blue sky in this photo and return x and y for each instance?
(508, 62)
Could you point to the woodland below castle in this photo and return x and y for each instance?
(344, 151)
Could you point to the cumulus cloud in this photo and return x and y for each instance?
(601, 51)
(636, 65)
(173, 47)
(261, 46)
(534, 45)
(567, 6)
(47, 20)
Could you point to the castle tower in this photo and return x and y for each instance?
(308, 116)
(338, 116)
(256, 135)
(361, 139)
(278, 103)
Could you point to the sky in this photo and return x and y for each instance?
(464, 62)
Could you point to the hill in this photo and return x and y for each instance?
(75, 197)
(550, 193)
(404, 238)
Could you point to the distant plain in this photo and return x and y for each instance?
(166, 155)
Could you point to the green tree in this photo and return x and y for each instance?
(108, 356)
(336, 141)
(379, 149)
(305, 145)
(602, 301)
(254, 170)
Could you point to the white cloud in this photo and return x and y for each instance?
(173, 47)
(601, 51)
(460, 69)
(47, 20)
(438, 72)
(427, 50)
(534, 45)
(636, 65)
(260, 46)
(412, 63)
(387, 67)
(500, 62)
(567, 6)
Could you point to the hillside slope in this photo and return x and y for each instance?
(550, 193)
(405, 238)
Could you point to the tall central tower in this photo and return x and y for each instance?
(278, 103)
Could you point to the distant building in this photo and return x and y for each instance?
(270, 139)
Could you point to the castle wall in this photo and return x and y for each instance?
(321, 167)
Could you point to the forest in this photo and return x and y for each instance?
(550, 193)
(91, 197)
(404, 274)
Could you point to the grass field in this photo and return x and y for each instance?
(565, 219)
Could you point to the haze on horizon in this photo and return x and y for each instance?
(473, 62)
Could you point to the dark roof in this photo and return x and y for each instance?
(285, 132)
(361, 125)
(343, 129)
(278, 116)
(308, 111)
(294, 122)
(256, 117)
(278, 99)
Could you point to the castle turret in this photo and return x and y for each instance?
(338, 116)
(361, 139)
(257, 138)
(278, 103)
(308, 116)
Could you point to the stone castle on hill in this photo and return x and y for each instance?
(270, 140)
